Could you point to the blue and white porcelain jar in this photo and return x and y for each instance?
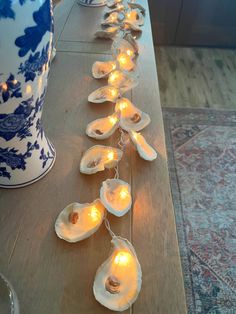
(26, 31)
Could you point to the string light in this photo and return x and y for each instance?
(95, 214)
(110, 155)
(122, 258)
(113, 120)
(123, 193)
(4, 86)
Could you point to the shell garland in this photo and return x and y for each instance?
(118, 280)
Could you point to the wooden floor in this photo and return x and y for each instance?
(197, 77)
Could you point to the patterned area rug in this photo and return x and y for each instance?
(202, 163)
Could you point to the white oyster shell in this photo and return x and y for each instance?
(137, 6)
(104, 127)
(118, 8)
(121, 45)
(103, 69)
(103, 94)
(123, 265)
(88, 218)
(144, 149)
(131, 118)
(122, 80)
(111, 3)
(99, 157)
(114, 18)
(132, 25)
(107, 33)
(115, 195)
(134, 17)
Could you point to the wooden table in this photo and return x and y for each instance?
(51, 276)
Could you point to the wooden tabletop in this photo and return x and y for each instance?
(49, 275)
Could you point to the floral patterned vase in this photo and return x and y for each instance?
(26, 154)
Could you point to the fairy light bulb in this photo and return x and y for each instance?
(123, 193)
(122, 58)
(14, 81)
(122, 258)
(113, 66)
(95, 214)
(123, 105)
(113, 92)
(113, 120)
(4, 86)
(113, 77)
(129, 52)
(110, 155)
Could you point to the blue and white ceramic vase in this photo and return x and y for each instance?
(26, 31)
(92, 3)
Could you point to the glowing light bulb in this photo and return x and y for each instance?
(113, 92)
(124, 193)
(14, 82)
(120, 6)
(113, 66)
(113, 120)
(128, 15)
(110, 155)
(123, 105)
(4, 86)
(122, 258)
(95, 214)
(113, 76)
(122, 58)
(129, 52)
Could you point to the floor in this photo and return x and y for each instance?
(197, 77)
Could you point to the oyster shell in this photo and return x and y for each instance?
(134, 16)
(133, 5)
(144, 149)
(131, 117)
(78, 221)
(107, 33)
(118, 280)
(123, 81)
(118, 8)
(103, 69)
(112, 3)
(115, 195)
(113, 18)
(127, 46)
(132, 25)
(99, 157)
(104, 127)
(103, 94)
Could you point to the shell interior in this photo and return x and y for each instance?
(107, 33)
(131, 118)
(98, 158)
(118, 280)
(104, 127)
(123, 81)
(137, 6)
(115, 195)
(113, 19)
(79, 221)
(103, 69)
(134, 17)
(144, 149)
(121, 45)
(103, 94)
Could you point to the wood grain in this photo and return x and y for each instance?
(197, 77)
(50, 275)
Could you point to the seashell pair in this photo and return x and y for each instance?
(78, 221)
(118, 83)
(118, 280)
